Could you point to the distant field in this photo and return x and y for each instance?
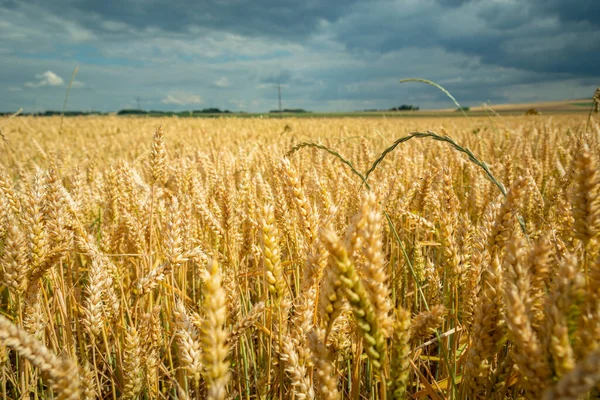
(555, 107)
(552, 107)
(564, 106)
(515, 110)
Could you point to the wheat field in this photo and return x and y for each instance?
(297, 259)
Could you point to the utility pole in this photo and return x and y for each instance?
(279, 98)
(138, 100)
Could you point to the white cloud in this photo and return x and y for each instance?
(182, 99)
(77, 84)
(14, 89)
(47, 78)
(222, 82)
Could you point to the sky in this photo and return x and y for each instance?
(336, 55)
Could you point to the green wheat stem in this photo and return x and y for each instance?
(332, 152)
(440, 87)
(457, 147)
(439, 138)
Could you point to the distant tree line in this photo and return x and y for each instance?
(128, 111)
(289, 110)
(189, 113)
(403, 107)
(212, 110)
(51, 113)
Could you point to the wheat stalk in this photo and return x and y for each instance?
(62, 373)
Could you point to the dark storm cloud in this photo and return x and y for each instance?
(452, 3)
(540, 36)
(325, 55)
(281, 18)
(571, 11)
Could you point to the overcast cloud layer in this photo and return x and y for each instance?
(328, 56)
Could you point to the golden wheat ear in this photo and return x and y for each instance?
(356, 294)
(585, 196)
(583, 378)
(214, 335)
(188, 338)
(62, 373)
(158, 156)
(133, 378)
(272, 255)
(529, 353)
(399, 355)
